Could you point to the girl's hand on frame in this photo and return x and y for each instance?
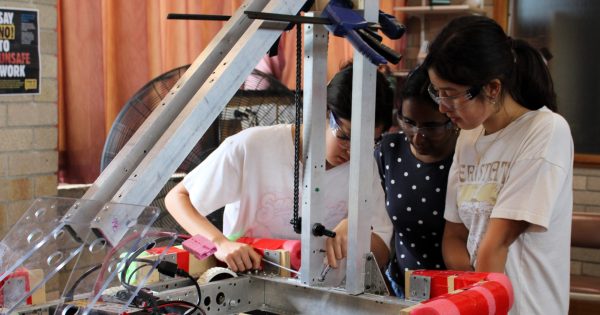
(238, 256)
(337, 247)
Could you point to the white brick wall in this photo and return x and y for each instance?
(586, 198)
(28, 128)
(3, 121)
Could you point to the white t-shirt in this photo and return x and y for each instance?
(252, 175)
(525, 173)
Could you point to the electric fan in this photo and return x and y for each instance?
(262, 100)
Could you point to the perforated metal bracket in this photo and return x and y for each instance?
(374, 282)
(419, 288)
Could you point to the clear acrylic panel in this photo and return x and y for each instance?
(55, 238)
(37, 247)
(103, 271)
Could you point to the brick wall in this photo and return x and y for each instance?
(586, 198)
(28, 128)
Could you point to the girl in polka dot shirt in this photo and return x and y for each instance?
(413, 165)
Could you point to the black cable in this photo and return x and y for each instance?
(101, 277)
(131, 259)
(170, 269)
(154, 306)
(186, 304)
(296, 220)
(147, 262)
(136, 270)
(141, 294)
(139, 251)
(69, 295)
(195, 282)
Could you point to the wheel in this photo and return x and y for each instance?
(216, 274)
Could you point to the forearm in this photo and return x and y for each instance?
(491, 258)
(493, 249)
(454, 247)
(455, 253)
(379, 250)
(182, 210)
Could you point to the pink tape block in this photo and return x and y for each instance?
(295, 248)
(489, 298)
(436, 307)
(503, 280)
(199, 246)
(470, 302)
(493, 296)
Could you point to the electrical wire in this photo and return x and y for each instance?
(188, 305)
(133, 257)
(181, 272)
(136, 270)
(195, 282)
(70, 294)
(122, 243)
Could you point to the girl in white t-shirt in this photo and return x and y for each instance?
(251, 174)
(509, 196)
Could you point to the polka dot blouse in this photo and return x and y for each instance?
(415, 197)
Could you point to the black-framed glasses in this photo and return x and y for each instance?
(430, 131)
(453, 100)
(339, 133)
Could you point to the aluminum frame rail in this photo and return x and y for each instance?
(137, 175)
(361, 151)
(284, 296)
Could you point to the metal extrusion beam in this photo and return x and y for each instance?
(138, 146)
(228, 296)
(361, 150)
(149, 176)
(283, 296)
(313, 151)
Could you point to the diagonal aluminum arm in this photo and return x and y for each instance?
(242, 52)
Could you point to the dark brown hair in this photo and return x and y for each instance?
(339, 97)
(473, 50)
